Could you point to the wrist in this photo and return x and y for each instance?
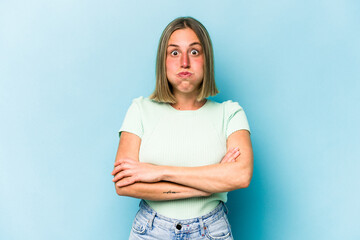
(165, 172)
(205, 194)
(162, 173)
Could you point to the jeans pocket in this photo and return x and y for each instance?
(139, 224)
(219, 229)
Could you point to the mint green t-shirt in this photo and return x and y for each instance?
(186, 138)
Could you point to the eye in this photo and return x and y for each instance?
(194, 52)
(174, 53)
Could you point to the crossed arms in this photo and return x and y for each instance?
(151, 182)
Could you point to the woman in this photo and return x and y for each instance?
(180, 152)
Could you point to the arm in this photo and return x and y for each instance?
(159, 191)
(222, 177)
(129, 147)
(218, 177)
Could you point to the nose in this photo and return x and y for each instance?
(185, 61)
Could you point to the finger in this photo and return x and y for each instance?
(236, 154)
(122, 160)
(121, 175)
(233, 152)
(228, 155)
(123, 165)
(233, 156)
(118, 162)
(117, 169)
(236, 149)
(125, 182)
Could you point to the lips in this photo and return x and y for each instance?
(184, 74)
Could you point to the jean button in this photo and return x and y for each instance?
(178, 227)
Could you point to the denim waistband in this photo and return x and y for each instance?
(188, 225)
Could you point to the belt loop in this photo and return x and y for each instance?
(151, 220)
(226, 209)
(202, 227)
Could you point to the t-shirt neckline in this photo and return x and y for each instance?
(197, 110)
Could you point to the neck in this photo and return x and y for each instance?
(187, 102)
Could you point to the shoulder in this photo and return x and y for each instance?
(138, 101)
(145, 102)
(231, 108)
(148, 107)
(231, 105)
(228, 107)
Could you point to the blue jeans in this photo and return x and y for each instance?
(150, 225)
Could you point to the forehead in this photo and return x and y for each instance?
(184, 36)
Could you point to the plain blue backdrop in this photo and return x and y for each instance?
(69, 70)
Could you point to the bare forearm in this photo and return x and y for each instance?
(233, 172)
(212, 178)
(159, 191)
(222, 177)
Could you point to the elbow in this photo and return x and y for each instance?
(245, 184)
(244, 180)
(245, 176)
(121, 191)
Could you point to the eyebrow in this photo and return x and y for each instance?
(192, 44)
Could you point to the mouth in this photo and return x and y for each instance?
(184, 74)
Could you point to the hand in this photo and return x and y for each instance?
(231, 155)
(128, 171)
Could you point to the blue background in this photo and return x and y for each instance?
(69, 70)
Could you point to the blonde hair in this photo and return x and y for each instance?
(162, 92)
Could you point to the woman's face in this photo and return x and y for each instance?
(184, 61)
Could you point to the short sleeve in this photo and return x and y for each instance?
(133, 122)
(235, 118)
